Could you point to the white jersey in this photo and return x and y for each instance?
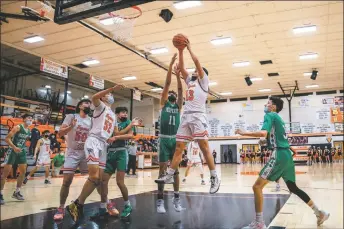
(103, 122)
(194, 152)
(44, 148)
(196, 94)
(77, 136)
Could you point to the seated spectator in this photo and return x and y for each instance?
(54, 144)
(57, 163)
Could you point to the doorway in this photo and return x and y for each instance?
(229, 154)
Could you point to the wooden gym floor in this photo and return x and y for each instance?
(231, 207)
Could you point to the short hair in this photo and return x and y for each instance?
(77, 109)
(172, 92)
(27, 115)
(45, 131)
(121, 109)
(278, 102)
(206, 71)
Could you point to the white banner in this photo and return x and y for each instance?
(323, 114)
(226, 129)
(96, 82)
(54, 68)
(304, 102)
(239, 124)
(328, 101)
(323, 128)
(137, 95)
(307, 128)
(214, 127)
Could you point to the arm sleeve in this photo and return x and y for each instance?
(267, 125)
(68, 119)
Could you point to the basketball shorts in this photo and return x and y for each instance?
(57, 170)
(196, 163)
(13, 158)
(75, 159)
(167, 147)
(192, 126)
(281, 164)
(43, 160)
(95, 151)
(117, 159)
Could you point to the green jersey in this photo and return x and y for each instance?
(58, 160)
(274, 125)
(121, 143)
(21, 136)
(169, 119)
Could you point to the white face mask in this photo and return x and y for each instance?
(28, 122)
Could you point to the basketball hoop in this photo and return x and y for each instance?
(123, 25)
(46, 7)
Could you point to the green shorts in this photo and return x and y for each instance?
(281, 164)
(15, 158)
(117, 159)
(167, 146)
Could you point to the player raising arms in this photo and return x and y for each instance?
(171, 105)
(16, 154)
(281, 163)
(77, 127)
(103, 125)
(194, 120)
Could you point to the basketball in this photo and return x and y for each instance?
(179, 41)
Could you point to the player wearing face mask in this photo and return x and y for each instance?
(16, 154)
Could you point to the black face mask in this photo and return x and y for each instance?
(123, 119)
(46, 135)
(87, 110)
(172, 98)
(193, 78)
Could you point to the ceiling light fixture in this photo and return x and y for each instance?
(127, 78)
(241, 64)
(33, 39)
(69, 92)
(256, 79)
(182, 5)
(221, 41)
(312, 86)
(90, 62)
(189, 70)
(47, 86)
(212, 83)
(85, 97)
(305, 29)
(308, 56)
(264, 90)
(156, 89)
(158, 51)
(226, 93)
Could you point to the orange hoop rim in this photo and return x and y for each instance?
(128, 18)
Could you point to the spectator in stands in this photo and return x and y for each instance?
(132, 158)
(35, 136)
(214, 155)
(57, 164)
(54, 144)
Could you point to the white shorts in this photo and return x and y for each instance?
(43, 160)
(57, 170)
(74, 159)
(192, 126)
(96, 152)
(194, 162)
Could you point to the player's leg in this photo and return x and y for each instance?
(93, 151)
(9, 161)
(201, 169)
(289, 178)
(46, 181)
(67, 181)
(22, 169)
(27, 178)
(187, 171)
(163, 159)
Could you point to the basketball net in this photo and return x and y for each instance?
(46, 8)
(123, 25)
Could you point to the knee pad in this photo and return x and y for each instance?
(96, 182)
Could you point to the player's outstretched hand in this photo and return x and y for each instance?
(177, 69)
(137, 122)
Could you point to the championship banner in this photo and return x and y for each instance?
(54, 68)
(336, 114)
(137, 95)
(338, 127)
(298, 140)
(96, 82)
(339, 101)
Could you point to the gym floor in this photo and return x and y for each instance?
(232, 207)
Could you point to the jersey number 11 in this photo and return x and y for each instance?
(172, 120)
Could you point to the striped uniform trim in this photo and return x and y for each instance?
(167, 136)
(90, 158)
(205, 133)
(183, 137)
(269, 169)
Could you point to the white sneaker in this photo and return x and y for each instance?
(202, 182)
(255, 225)
(214, 184)
(322, 217)
(177, 204)
(165, 179)
(160, 207)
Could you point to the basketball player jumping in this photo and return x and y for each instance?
(281, 163)
(171, 105)
(103, 125)
(195, 159)
(77, 127)
(43, 146)
(16, 154)
(194, 120)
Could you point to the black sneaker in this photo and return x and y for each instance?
(25, 180)
(18, 196)
(2, 201)
(47, 182)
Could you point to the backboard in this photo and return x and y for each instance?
(67, 11)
